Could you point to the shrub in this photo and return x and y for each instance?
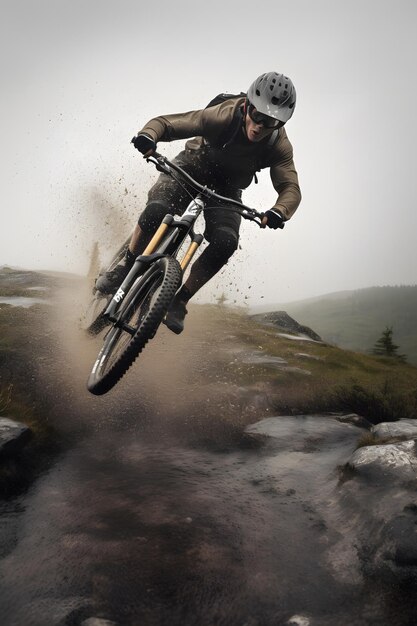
(377, 404)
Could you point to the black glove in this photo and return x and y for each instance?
(275, 219)
(143, 143)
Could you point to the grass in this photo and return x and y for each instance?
(377, 403)
(369, 439)
(377, 388)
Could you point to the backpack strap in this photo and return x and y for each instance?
(273, 137)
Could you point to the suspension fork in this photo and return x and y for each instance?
(189, 217)
(139, 267)
(161, 235)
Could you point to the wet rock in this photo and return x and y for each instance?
(356, 420)
(13, 436)
(298, 620)
(399, 460)
(316, 435)
(311, 357)
(257, 357)
(283, 321)
(298, 337)
(404, 428)
(261, 358)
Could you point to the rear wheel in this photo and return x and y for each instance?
(139, 317)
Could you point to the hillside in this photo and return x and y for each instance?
(355, 319)
(237, 362)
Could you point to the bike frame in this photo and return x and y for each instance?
(172, 232)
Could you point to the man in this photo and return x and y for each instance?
(232, 141)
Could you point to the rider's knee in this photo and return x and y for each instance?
(223, 243)
(152, 216)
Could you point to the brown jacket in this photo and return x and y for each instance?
(239, 160)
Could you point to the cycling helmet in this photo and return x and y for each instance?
(273, 94)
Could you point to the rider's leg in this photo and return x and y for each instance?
(222, 233)
(139, 241)
(223, 243)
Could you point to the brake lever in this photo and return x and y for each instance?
(254, 216)
(159, 161)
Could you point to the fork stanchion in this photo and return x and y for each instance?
(158, 236)
(192, 248)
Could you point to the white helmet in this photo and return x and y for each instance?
(274, 95)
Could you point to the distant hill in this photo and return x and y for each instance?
(13, 279)
(355, 319)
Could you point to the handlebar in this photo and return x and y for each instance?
(166, 166)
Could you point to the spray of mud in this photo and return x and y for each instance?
(176, 389)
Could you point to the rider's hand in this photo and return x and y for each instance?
(273, 219)
(144, 144)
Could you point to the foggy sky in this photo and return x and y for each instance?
(80, 78)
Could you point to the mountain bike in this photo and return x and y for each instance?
(134, 313)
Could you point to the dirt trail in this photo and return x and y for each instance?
(159, 512)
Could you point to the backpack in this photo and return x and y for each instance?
(222, 97)
(231, 132)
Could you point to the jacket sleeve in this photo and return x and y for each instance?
(285, 179)
(208, 123)
(177, 126)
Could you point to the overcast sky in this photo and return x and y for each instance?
(81, 77)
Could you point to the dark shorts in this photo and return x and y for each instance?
(168, 196)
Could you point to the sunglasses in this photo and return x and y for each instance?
(261, 118)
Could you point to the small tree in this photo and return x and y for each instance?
(386, 347)
(221, 300)
(94, 267)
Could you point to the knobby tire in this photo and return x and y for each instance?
(147, 301)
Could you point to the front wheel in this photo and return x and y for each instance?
(139, 317)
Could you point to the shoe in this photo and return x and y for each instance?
(174, 319)
(110, 281)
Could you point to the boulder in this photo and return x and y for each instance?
(283, 321)
(394, 549)
(398, 460)
(13, 436)
(353, 418)
(404, 428)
